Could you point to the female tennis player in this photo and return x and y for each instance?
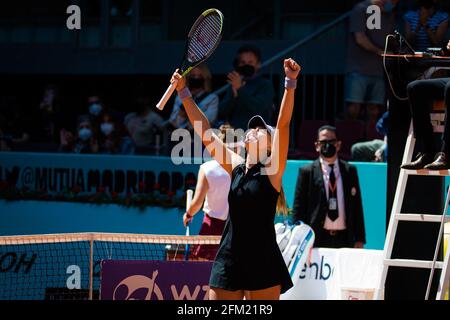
(213, 185)
(249, 263)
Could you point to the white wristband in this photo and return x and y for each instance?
(290, 83)
(184, 93)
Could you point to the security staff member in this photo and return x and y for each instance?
(328, 197)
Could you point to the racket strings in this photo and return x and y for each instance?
(205, 38)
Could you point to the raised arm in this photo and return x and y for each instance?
(280, 140)
(227, 158)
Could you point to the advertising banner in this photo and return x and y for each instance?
(154, 280)
(334, 274)
(338, 274)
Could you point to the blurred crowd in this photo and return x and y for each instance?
(97, 129)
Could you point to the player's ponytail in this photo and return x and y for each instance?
(281, 203)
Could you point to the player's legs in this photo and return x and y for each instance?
(222, 294)
(272, 293)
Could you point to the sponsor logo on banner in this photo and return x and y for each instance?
(132, 284)
(55, 179)
(321, 270)
(17, 262)
(350, 274)
(154, 280)
(91, 174)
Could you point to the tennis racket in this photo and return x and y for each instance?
(189, 195)
(203, 39)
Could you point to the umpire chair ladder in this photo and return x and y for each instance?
(397, 215)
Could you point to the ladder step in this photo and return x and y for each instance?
(420, 217)
(424, 172)
(409, 263)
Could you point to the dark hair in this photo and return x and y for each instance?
(250, 48)
(329, 128)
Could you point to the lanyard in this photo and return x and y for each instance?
(332, 187)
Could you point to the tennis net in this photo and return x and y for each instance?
(67, 266)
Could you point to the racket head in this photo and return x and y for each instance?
(203, 39)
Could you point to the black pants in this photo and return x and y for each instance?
(323, 239)
(421, 94)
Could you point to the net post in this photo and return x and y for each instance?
(91, 265)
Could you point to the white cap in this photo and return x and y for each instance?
(258, 121)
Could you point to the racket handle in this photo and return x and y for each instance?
(189, 195)
(166, 96)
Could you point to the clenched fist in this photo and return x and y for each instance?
(179, 80)
(291, 68)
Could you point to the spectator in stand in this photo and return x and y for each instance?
(49, 119)
(199, 83)
(145, 124)
(95, 108)
(375, 150)
(426, 27)
(364, 82)
(249, 92)
(85, 141)
(113, 138)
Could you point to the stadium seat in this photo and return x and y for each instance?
(306, 137)
(372, 134)
(349, 132)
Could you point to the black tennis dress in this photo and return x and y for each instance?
(249, 257)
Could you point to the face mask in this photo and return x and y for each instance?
(107, 128)
(246, 70)
(328, 150)
(196, 83)
(388, 6)
(84, 133)
(95, 109)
